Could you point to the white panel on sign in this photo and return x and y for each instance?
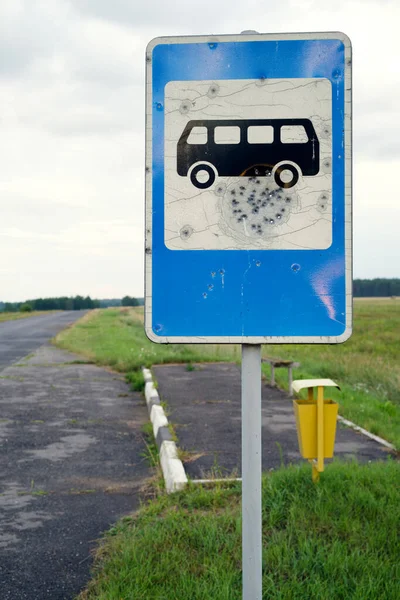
(218, 194)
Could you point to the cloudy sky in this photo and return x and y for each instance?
(72, 131)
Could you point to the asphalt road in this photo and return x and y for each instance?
(21, 337)
(205, 408)
(71, 463)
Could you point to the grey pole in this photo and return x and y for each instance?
(251, 472)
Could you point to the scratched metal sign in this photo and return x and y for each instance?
(248, 189)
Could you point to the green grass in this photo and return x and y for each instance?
(366, 367)
(13, 316)
(338, 540)
(136, 379)
(115, 337)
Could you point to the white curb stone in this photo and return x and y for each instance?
(158, 418)
(172, 467)
(376, 438)
(150, 392)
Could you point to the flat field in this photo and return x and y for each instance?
(367, 367)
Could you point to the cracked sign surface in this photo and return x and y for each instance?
(248, 164)
(248, 189)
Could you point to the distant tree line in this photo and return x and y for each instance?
(60, 303)
(125, 301)
(67, 303)
(370, 288)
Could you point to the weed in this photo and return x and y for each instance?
(136, 379)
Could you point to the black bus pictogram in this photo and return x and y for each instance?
(229, 148)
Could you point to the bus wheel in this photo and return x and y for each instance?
(202, 176)
(286, 176)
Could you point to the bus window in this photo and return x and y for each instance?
(227, 135)
(198, 135)
(293, 134)
(260, 134)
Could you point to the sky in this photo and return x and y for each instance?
(72, 131)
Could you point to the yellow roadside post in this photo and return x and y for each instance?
(316, 422)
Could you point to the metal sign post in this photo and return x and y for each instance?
(251, 473)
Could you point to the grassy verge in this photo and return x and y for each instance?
(366, 367)
(338, 540)
(13, 316)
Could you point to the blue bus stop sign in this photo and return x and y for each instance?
(248, 189)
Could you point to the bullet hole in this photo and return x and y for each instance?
(336, 74)
(241, 187)
(147, 169)
(222, 271)
(322, 202)
(326, 165)
(186, 232)
(258, 263)
(295, 267)
(185, 107)
(272, 221)
(148, 250)
(204, 295)
(212, 45)
(326, 131)
(278, 216)
(233, 192)
(213, 90)
(157, 328)
(261, 80)
(210, 287)
(220, 189)
(213, 273)
(253, 226)
(148, 58)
